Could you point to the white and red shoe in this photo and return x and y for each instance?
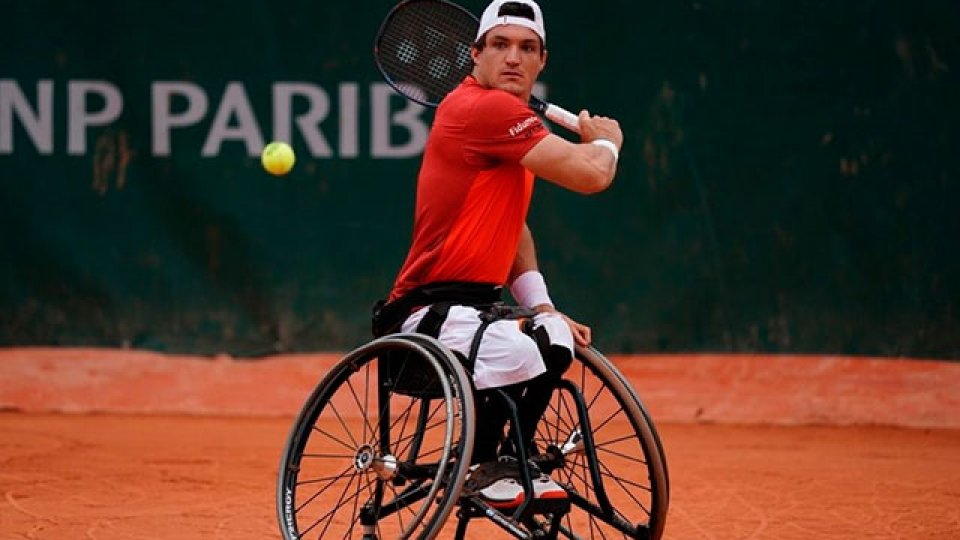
(508, 492)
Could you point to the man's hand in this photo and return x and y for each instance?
(582, 335)
(600, 127)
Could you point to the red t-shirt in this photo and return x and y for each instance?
(472, 192)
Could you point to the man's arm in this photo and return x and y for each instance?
(535, 289)
(583, 168)
(526, 258)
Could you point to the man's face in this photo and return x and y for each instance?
(511, 59)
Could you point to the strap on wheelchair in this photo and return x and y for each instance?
(388, 316)
(490, 315)
(433, 319)
(471, 360)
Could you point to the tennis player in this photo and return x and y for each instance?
(470, 236)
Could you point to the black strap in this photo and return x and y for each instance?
(433, 319)
(488, 316)
(387, 317)
(475, 344)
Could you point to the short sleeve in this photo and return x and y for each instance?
(501, 128)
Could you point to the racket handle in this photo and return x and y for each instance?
(565, 118)
(555, 114)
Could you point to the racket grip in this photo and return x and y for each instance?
(565, 118)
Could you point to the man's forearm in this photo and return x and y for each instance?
(526, 284)
(526, 257)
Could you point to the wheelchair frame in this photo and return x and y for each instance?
(408, 458)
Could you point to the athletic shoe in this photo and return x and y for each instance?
(508, 492)
(484, 474)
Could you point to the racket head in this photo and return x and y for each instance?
(423, 48)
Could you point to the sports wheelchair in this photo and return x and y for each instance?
(382, 448)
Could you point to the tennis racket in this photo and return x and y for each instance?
(423, 52)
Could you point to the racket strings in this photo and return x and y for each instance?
(424, 49)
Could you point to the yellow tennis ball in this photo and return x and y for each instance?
(277, 158)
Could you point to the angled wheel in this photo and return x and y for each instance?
(381, 447)
(614, 468)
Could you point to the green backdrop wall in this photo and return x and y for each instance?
(788, 182)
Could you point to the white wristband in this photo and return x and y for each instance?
(608, 144)
(530, 290)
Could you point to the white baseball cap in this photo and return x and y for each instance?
(492, 17)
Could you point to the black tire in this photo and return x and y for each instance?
(628, 492)
(392, 421)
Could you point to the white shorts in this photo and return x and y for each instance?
(506, 355)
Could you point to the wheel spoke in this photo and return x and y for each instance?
(603, 448)
(334, 438)
(363, 406)
(328, 516)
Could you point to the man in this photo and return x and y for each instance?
(470, 234)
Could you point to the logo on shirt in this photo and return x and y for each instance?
(521, 126)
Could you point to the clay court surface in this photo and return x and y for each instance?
(114, 445)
